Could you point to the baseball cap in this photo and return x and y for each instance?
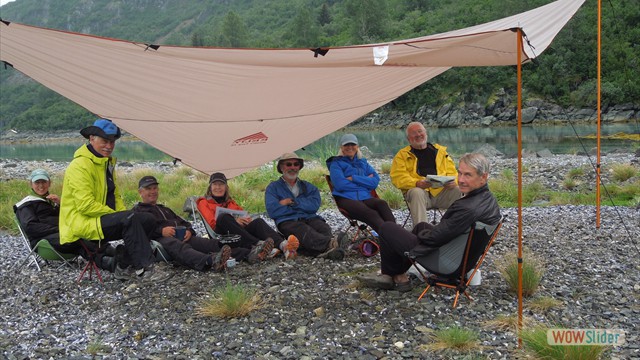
(39, 174)
(218, 177)
(348, 139)
(147, 181)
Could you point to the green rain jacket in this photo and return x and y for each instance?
(84, 196)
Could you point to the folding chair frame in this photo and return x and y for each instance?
(91, 265)
(435, 213)
(34, 254)
(362, 229)
(459, 284)
(197, 215)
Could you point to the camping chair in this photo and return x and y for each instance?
(198, 216)
(450, 263)
(362, 229)
(42, 251)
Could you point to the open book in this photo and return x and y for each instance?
(438, 181)
(235, 213)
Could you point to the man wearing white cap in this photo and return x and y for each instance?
(293, 205)
(92, 208)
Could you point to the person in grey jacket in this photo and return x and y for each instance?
(476, 204)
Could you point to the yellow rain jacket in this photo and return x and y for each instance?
(84, 196)
(404, 169)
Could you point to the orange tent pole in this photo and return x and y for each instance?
(519, 50)
(598, 117)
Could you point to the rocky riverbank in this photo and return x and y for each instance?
(314, 309)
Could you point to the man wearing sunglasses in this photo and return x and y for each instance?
(293, 204)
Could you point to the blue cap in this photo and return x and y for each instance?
(102, 127)
(348, 139)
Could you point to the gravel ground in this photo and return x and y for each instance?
(314, 308)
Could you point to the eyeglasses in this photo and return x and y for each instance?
(297, 164)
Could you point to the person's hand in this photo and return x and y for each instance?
(450, 184)
(349, 178)
(286, 202)
(244, 221)
(370, 175)
(423, 184)
(187, 236)
(55, 198)
(168, 231)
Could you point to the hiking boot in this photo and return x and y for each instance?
(343, 240)
(274, 253)
(107, 263)
(336, 254)
(260, 251)
(125, 274)
(290, 247)
(153, 274)
(376, 281)
(219, 263)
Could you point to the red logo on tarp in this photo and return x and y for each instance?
(257, 138)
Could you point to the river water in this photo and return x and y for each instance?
(381, 143)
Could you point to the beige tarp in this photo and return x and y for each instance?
(231, 110)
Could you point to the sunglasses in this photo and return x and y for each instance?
(289, 164)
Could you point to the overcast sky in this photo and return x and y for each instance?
(2, 2)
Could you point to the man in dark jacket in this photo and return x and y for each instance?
(192, 251)
(476, 204)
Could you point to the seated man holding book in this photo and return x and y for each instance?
(425, 173)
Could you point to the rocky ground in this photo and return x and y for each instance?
(314, 308)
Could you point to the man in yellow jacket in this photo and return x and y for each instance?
(425, 173)
(92, 209)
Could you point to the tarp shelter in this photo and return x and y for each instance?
(232, 110)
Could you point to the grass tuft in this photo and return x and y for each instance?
(532, 271)
(623, 172)
(535, 343)
(508, 323)
(230, 301)
(454, 338)
(544, 303)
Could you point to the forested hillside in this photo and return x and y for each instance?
(565, 74)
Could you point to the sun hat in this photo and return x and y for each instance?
(39, 174)
(147, 181)
(218, 177)
(289, 156)
(104, 128)
(348, 139)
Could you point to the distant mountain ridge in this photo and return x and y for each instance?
(562, 81)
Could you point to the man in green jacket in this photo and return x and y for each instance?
(410, 170)
(92, 208)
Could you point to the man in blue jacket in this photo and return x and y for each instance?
(293, 204)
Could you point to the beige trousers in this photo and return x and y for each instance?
(420, 200)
